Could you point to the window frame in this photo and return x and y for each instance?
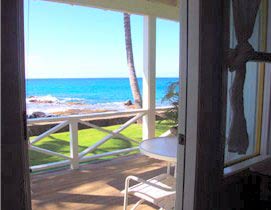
(263, 103)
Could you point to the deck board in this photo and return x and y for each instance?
(93, 186)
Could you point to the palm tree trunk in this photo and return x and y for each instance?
(130, 62)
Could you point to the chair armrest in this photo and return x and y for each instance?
(139, 180)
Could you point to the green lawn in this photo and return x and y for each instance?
(60, 142)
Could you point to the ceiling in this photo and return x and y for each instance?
(166, 9)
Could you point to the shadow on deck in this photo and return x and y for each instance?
(93, 186)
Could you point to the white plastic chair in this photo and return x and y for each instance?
(159, 190)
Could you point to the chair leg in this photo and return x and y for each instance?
(125, 202)
(137, 204)
(168, 167)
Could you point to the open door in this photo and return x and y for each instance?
(219, 37)
(200, 152)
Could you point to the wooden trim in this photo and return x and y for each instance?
(261, 75)
(183, 62)
(91, 116)
(260, 92)
(210, 153)
(266, 128)
(140, 7)
(15, 168)
(225, 76)
(148, 79)
(204, 154)
(237, 168)
(266, 120)
(263, 25)
(191, 117)
(239, 160)
(73, 127)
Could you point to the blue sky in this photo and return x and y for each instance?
(65, 41)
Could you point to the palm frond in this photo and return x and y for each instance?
(172, 97)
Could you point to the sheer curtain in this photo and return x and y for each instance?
(250, 93)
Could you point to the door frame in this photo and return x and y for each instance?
(14, 145)
(200, 166)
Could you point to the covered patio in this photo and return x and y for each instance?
(99, 185)
(93, 186)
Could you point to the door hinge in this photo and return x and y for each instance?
(181, 139)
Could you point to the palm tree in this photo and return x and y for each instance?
(130, 62)
(172, 97)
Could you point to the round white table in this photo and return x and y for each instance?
(162, 148)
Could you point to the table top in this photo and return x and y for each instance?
(162, 148)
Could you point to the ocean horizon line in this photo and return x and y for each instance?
(96, 78)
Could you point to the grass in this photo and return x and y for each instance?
(60, 142)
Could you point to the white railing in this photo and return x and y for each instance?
(75, 157)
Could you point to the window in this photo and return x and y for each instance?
(253, 93)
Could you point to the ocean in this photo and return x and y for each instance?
(58, 95)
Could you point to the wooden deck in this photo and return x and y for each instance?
(93, 186)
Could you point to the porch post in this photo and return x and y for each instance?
(74, 144)
(149, 52)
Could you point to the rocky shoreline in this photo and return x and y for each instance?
(71, 111)
(39, 128)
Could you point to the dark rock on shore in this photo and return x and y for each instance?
(128, 103)
(39, 115)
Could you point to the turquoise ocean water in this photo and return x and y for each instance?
(50, 95)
